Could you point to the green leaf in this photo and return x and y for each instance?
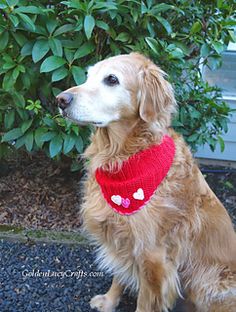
(26, 124)
(89, 23)
(21, 68)
(135, 14)
(219, 3)
(78, 74)
(79, 144)
(185, 49)
(222, 143)
(55, 46)
(3, 5)
(175, 52)
(27, 80)
(205, 50)
(49, 121)
(12, 135)
(232, 35)
(29, 140)
(22, 113)
(224, 124)
(84, 50)
(7, 58)
(14, 19)
(18, 99)
(38, 136)
(75, 129)
(176, 123)
(165, 24)
(104, 5)
(212, 143)
(56, 91)
(144, 9)
(73, 4)
(63, 29)
(40, 49)
(55, 146)
(41, 30)
(4, 37)
(9, 65)
(12, 3)
(27, 49)
(194, 112)
(162, 7)
(151, 30)
(8, 81)
(214, 62)
(123, 37)
(69, 143)
(102, 25)
(20, 38)
(29, 9)
(51, 63)
(9, 119)
(51, 24)
(153, 44)
(69, 54)
(20, 142)
(193, 137)
(15, 73)
(197, 26)
(48, 136)
(25, 18)
(70, 44)
(218, 46)
(59, 74)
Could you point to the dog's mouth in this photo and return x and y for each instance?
(81, 122)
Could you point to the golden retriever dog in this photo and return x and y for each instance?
(182, 242)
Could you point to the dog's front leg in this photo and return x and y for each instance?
(109, 301)
(157, 291)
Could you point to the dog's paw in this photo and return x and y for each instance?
(102, 303)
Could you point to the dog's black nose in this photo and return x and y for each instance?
(64, 99)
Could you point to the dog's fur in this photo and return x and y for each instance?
(183, 241)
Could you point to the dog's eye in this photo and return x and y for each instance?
(111, 80)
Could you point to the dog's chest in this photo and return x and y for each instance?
(114, 237)
(106, 226)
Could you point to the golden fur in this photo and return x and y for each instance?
(183, 242)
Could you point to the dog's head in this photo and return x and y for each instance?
(120, 88)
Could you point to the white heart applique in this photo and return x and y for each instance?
(139, 195)
(117, 199)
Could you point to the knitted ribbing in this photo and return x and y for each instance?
(130, 188)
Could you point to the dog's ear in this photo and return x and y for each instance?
(156, 94)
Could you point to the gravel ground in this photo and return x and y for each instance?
(20, 292)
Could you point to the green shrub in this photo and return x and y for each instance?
(45, 47)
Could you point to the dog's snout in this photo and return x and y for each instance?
(64, 99)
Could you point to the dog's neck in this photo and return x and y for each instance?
(113, 144)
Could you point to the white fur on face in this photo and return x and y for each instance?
(96, 102)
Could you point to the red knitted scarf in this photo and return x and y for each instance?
(129, 189)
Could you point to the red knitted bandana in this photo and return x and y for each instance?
(130, 188)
